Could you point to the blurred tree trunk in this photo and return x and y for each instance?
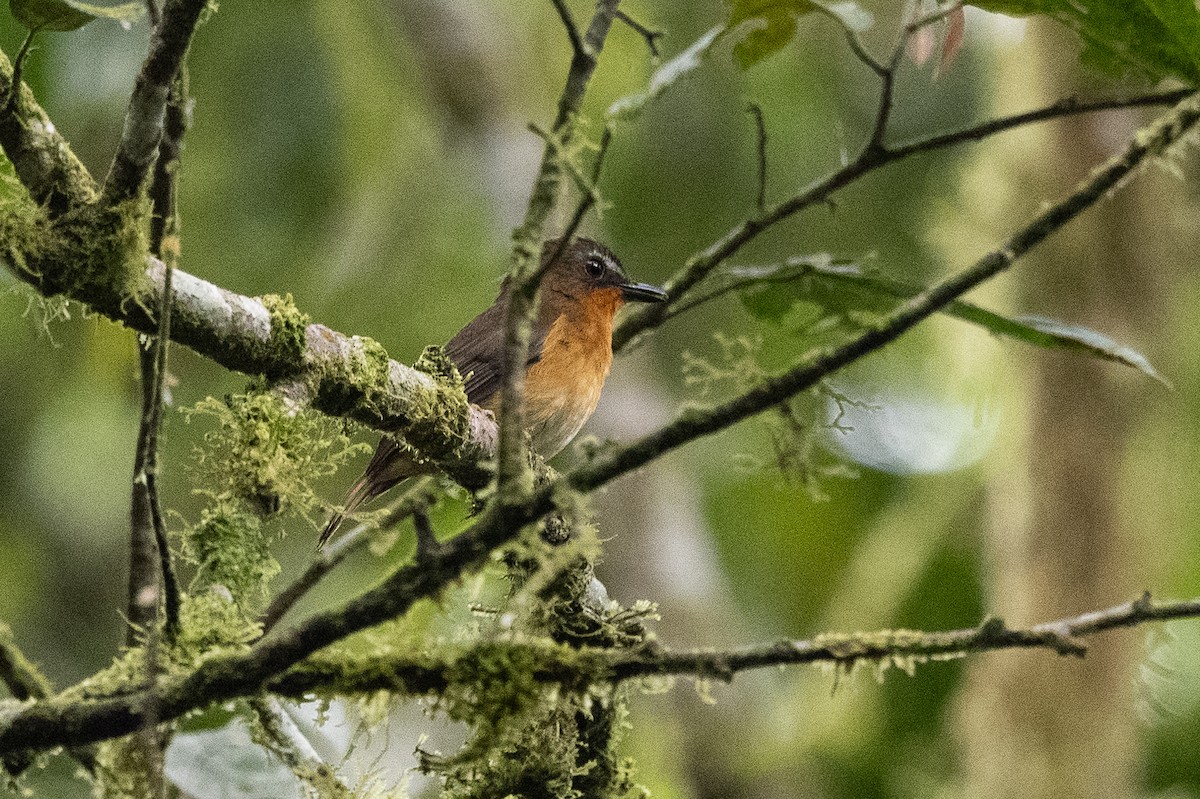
(1035, 725)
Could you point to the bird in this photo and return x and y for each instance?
(570, 354)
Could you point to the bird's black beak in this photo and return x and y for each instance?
(642, 292)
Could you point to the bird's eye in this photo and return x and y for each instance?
(594, 267)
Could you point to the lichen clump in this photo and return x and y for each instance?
(289, 326)
(265, 453)
(258, 461)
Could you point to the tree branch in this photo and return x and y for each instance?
(512, 473)
(23, 679)
(42, 159)
(55, 722)
(694, 423)
(418, 497)
(651, 36)
(289, 743)
(592, 664)
(699, 266)
(144, 119)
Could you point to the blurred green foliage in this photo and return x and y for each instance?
(370, 159)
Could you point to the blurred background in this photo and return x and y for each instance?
(371, 159)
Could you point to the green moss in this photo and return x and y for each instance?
(360, 378)
(106, 248)
(123, 767)
(211, 625)
(25, 229)
(88, 252)
(265, 453)
(289, 338)
(230, 549)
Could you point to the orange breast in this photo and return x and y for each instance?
(562, 389)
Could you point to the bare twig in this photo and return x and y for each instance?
(651, 36)
(147, 104)
(23, 679)
(10, 100)
(1069, 106)
(887, 72)
(760, 126)
(289, 743)
(568, 22)
(590, 197)
(703, 263)
(420, 496)
(150, 566)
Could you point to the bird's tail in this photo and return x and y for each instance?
(389, 465)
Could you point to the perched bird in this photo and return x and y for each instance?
(570, 352)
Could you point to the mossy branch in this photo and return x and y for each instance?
(43, 160)
(573, 668)
(513, 478)
(54, 722)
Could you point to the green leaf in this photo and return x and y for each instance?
(770, 293)
(771, 24)
(777, 24)
(1152, 38)
(226, 763)
(1054, 333)
(68, 15)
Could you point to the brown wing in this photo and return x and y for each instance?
(478, 352)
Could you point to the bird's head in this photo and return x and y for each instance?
(587, 271)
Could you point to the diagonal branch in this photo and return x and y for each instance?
(148, 103)
(694, 423)
(41, 157)
(870, 159)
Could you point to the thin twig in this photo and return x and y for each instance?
(1068, 106)
(760, 126)
(41, 157)
(290, 744)
(703, 263)
(651, 36)
(811, 370)
(568, 22)
(14, 91)
(419, 496)
(590, 197)
(23, 679)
